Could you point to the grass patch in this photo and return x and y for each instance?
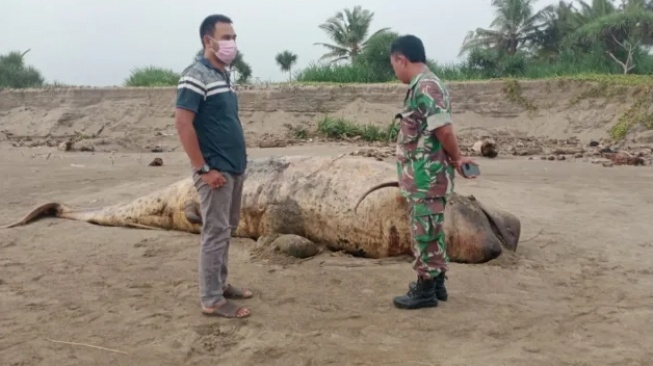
(346, 74)
(340, 128)
(298, 132)
(339, 74)
(336, 128)
(609, 79)
(360, 74)
(637, 114)
(513, 92)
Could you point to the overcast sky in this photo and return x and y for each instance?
(98, 42)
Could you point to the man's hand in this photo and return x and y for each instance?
(214, 178)
(458, 164)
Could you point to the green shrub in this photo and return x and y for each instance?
(15, 74)
(339, 74)
(152, 76)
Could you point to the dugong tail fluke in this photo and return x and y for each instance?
(54, 209)
(168, 208)
(51, 209)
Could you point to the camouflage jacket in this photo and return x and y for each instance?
(423, 166)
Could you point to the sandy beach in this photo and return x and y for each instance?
(576, 292)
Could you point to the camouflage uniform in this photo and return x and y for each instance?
(425, 173)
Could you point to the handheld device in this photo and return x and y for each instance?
(471, 170)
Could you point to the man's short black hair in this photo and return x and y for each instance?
(208, 25)
(409, 46)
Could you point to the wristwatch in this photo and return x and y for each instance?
(203, 170)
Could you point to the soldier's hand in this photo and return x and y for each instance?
(458, 164)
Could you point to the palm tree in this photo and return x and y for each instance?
(636, 5)
(285, 60)
(624, 34)
(515, 26)
(591, 12)
(348, 29)
(559, 21)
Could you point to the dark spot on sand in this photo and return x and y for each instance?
(359, 253)
(356, 252)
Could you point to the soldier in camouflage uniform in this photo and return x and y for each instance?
(427, 154)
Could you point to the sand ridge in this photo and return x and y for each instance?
(141, 119)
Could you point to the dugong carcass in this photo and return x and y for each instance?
(315, 197)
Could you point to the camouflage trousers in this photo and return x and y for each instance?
(427, 234)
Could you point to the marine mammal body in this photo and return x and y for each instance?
(314, 197)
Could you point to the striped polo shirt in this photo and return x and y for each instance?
(208, 92)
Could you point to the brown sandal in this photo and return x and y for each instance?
(226, 310)
(231, 292)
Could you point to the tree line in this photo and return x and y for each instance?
(567, 38)
(16, 74)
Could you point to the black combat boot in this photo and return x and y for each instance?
(421, 295)
(440, 290)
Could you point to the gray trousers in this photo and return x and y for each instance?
(220, 208)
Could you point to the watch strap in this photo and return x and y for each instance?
(203, 170)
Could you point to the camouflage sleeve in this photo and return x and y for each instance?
(432, 104)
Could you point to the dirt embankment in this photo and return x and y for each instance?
(546, 118)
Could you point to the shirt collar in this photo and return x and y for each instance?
(208, 64)
(415, 79)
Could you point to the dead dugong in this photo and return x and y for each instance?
(314, 197)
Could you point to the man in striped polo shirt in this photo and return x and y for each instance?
(212, 136)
